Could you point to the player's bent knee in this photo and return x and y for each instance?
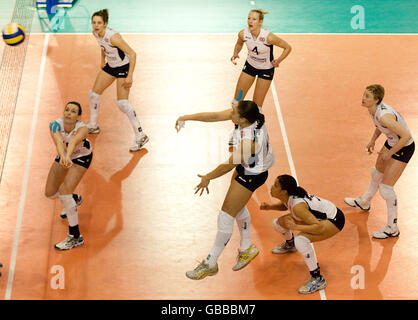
(48, 193)
(280, 221)
(124, 106)
(387, 192)
(51, 194)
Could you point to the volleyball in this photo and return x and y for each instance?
(13, 34)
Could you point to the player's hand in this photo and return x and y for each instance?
(128, 82)
(264, 206)
(202, 185)
(370, 147)
(235, 56)
(275, 63)
(66, 162)
(180, 122)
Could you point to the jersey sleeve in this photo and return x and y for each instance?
(79, 124)
(56, 126)
(385, 110)
(295, 200)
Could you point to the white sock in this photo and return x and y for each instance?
(376, 179)
(286, 233)
(70, 208)
(225, 228)
(389, 195)
(243, 219)
(127, 109)
(94, 107)
(304, 246)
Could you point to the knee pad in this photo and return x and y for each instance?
(376, 175)
(278, 227)
(94, 97)
(387, 192)
(225, 222)
(303, 244)
(124, 106)
(67, 201)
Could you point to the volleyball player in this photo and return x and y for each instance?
(251, 162)
(118, 62)
(260, 61)
(316, 218)
(73, 159)
(391, 160)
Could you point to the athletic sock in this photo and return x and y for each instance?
(243, 219)
(94, 99)
(225, 228)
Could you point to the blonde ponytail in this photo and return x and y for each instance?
(261, 13)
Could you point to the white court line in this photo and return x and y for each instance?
(13, 257)
(288, 152)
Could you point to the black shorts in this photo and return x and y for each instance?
(118, 72)
(266, 74)
(405, 154)
(339, 220)
(250, 181)
(84, 161)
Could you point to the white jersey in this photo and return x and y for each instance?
(322, 209)
(115, 57)
(83, 148)
(260, 54)
(264, 158)
(393, 138)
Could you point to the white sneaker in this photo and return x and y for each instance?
(387, 232)
(358, 202)
(313, 285)
(70, 242)
(138, 144)
(245, 257)
(202, 271)
(283, 248)
(93, 129)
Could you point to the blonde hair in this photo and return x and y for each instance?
(260, 12)
(378, 92)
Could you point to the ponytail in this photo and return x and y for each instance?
(104, 13)
(260, 120)
(249, 110)
(289, 184)
(260, 12)
(300, 192)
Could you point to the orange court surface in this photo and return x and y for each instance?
(143, 225)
